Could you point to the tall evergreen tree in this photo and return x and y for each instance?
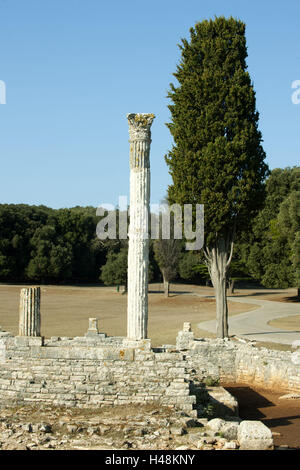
(217, 158)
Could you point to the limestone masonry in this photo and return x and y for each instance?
(96, 370)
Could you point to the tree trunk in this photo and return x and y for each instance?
(298, 292)
(218, 260)
(231, 287)
(166, 288)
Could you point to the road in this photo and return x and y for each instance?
(253, 325)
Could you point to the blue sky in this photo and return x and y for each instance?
(74, 68)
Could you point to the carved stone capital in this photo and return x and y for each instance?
(139, 126)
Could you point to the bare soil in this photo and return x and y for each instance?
(281, 416)
(291, 323)
(283, 298)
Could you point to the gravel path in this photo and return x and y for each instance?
(254, 324)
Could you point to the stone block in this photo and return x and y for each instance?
(216, 424)
(93, 327)
(231, 445)
(254, 435)
(184, 339)
(26, 341)
(230, 430)
(143, 344)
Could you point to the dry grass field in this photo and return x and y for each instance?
(286, 323)
(65, 310)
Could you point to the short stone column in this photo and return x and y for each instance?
(138, 250)
(185, 337)
(93, 327)
(29, 313)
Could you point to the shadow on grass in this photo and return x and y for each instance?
(294, 299)
(272, 332)
(171, 293)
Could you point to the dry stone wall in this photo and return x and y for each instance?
(83, 373)
(232, 361)
(97, 370)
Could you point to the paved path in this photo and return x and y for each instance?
(254, 324)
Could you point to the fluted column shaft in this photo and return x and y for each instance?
(138, 250)
(29, 313)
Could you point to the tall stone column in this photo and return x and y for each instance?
(138, 251)
(29, 313)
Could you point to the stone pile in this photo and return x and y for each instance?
(120, 428)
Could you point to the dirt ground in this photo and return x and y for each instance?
(122, 427)
(287, 297)
(65, 310)
(281, 416)
(291, 323)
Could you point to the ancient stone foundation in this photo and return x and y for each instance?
(96, 370)
(232, 361)
(89, 371)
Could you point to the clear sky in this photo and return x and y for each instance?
(73, 69)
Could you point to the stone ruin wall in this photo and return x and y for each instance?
(84, 373)
(231, 361)
(99, 371)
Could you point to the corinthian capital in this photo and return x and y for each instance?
(139, 126)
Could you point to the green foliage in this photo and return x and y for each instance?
(188, 264)
(269, 250)
(211, 381)
(47, 245)
(296, 259)
(114, 272)
(237, 270)
(18, 223)
(51, 256)
(288, 223)
(217, 158)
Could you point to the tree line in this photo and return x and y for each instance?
(40, 244)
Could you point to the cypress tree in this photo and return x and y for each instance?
(217, 158)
